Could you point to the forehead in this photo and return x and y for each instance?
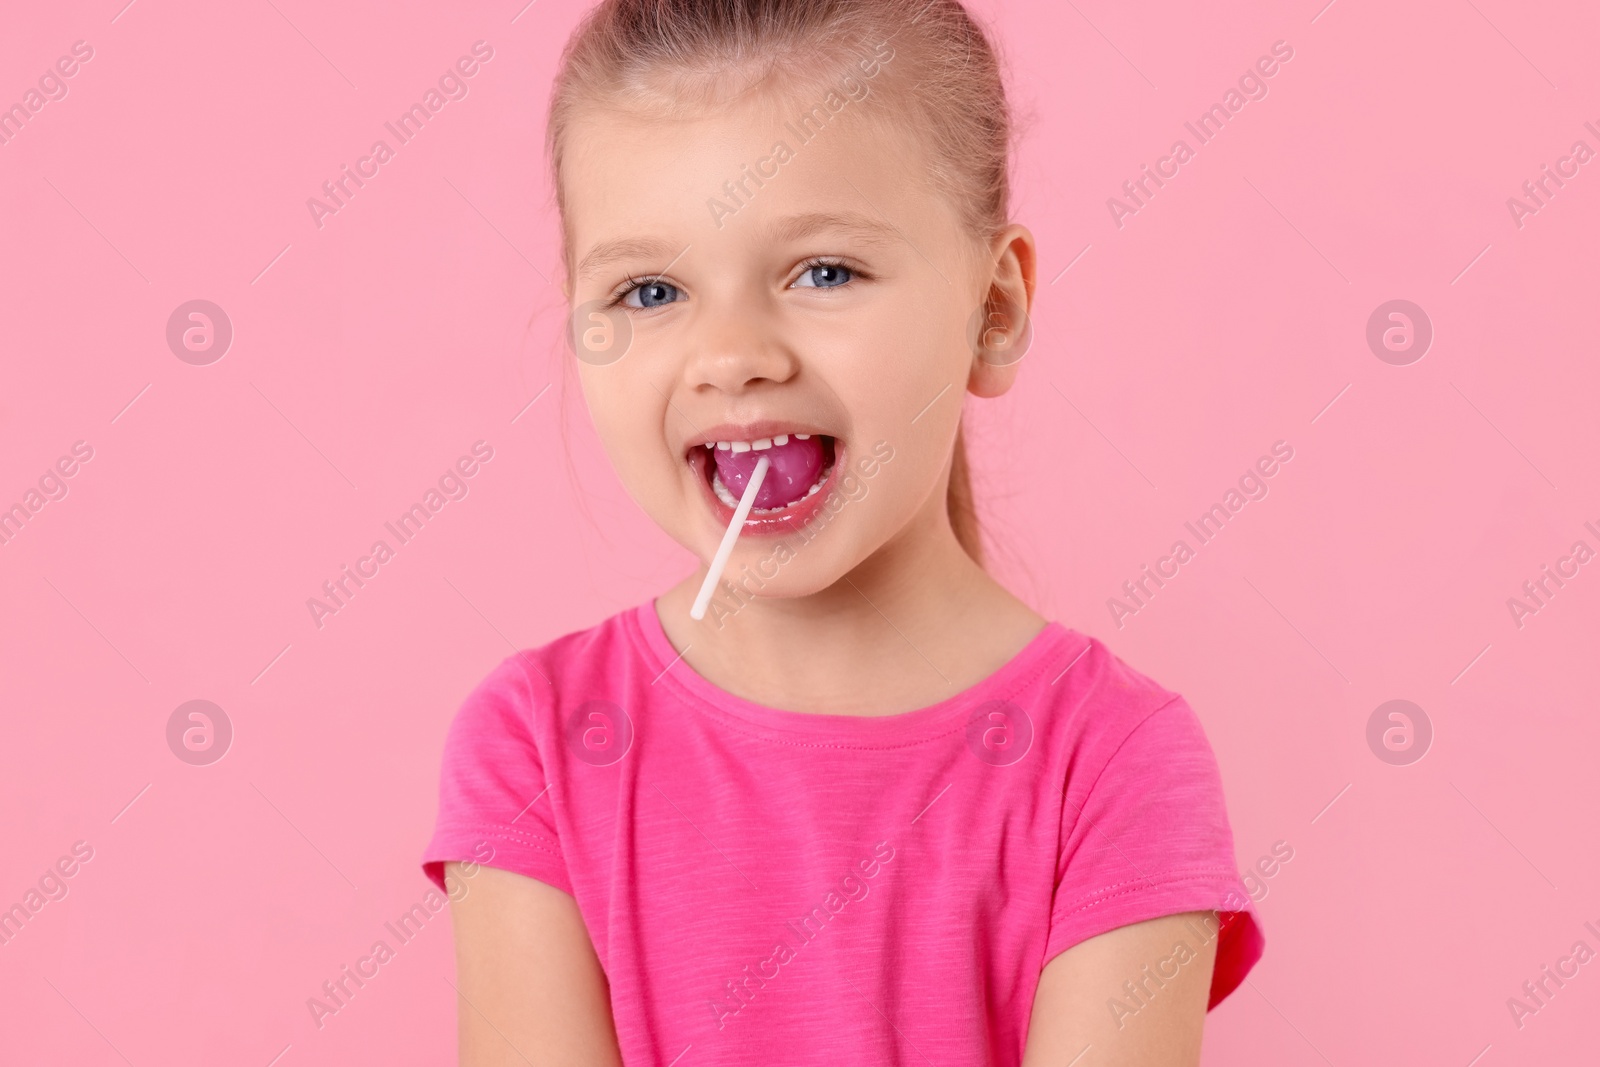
(628, 175)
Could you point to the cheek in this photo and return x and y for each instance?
(901, 372)
(894, 363)
(627, 417)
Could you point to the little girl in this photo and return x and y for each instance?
(871, 808)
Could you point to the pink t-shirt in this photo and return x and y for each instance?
(768, 886)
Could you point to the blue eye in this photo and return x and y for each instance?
(651, 295)
(654, 294)
(824, 276)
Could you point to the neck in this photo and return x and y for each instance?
(913, 624)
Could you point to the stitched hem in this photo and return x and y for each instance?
(521, 853)
(1187, 876)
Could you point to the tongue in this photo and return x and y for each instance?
(795, 467)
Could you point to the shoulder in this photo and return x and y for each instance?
(1102, 701)
(1136, 756)
(1144, 822)
(1105, 676)
(509, 746)
(527, 686)
(1114, 729)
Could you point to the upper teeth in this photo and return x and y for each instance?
(758, 444)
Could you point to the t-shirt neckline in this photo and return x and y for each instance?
(668, 668)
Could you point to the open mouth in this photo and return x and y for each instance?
(801, 466)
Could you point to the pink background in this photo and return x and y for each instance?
(1228, 314)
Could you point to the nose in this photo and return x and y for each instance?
(736, 352)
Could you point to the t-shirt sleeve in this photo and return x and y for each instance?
(1149, 837)
(494, 800)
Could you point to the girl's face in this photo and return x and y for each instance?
(836, 299)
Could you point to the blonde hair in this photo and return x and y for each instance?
(674, 55)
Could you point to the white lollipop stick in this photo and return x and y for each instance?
(724, 550)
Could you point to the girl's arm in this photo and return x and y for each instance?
(531, 988)
(1160, 1018)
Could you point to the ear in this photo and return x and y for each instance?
(1001, 331)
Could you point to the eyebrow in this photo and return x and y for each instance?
(863, 228)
